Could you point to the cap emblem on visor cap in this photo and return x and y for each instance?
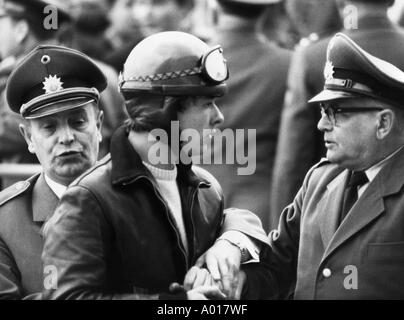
(329, 71)
(52, 84)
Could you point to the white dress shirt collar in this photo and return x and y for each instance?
(57, 188)
(374, 170)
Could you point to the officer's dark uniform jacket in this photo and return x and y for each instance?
(112, 236)
(24, 207)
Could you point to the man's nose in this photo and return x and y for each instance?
(324, 124)
(66, 134)
(217, 117)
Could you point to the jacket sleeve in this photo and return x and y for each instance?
(78, 242)
(244, 221)
(274, 277)
(10, 284)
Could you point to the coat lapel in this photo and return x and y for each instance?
(329, 207)
(370, 205)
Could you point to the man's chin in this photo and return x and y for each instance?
(331, 156)
(72, 170)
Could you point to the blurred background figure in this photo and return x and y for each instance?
(300, 144)
(313, 18)
(276, 25)
(144, 18)
(89, 27)
(258, 69)
(123, 32)
(154, 16)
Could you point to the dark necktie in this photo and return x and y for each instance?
(357, 178)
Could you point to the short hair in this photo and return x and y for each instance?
(245, 10)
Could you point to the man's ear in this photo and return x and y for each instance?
(386, 120)
(26, 133)
(100, 120)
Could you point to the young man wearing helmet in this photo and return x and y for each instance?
(135, 227)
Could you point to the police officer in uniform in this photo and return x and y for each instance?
(342, 237)
(22, 29)
(300, 144)
(56, 91)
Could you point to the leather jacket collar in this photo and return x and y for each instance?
(127, 165)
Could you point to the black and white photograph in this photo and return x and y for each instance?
(222, 151)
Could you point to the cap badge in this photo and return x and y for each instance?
(329, 70)
(52, 84)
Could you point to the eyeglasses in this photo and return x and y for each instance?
(331, 112)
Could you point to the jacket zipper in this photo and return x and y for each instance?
(179, 242)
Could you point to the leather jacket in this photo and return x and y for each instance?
(113, 237)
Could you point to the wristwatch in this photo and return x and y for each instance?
(244, 252)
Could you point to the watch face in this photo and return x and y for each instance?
(216, 66)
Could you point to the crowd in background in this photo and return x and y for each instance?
(270, 50)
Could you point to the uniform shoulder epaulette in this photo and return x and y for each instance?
(13, 191)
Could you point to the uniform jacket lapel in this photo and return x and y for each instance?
(370, 205)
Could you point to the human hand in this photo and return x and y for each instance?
(205, 293)
(223, 261)
(197, 277)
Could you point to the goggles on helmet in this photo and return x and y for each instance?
(212, 69)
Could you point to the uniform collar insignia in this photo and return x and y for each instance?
(52, 84)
